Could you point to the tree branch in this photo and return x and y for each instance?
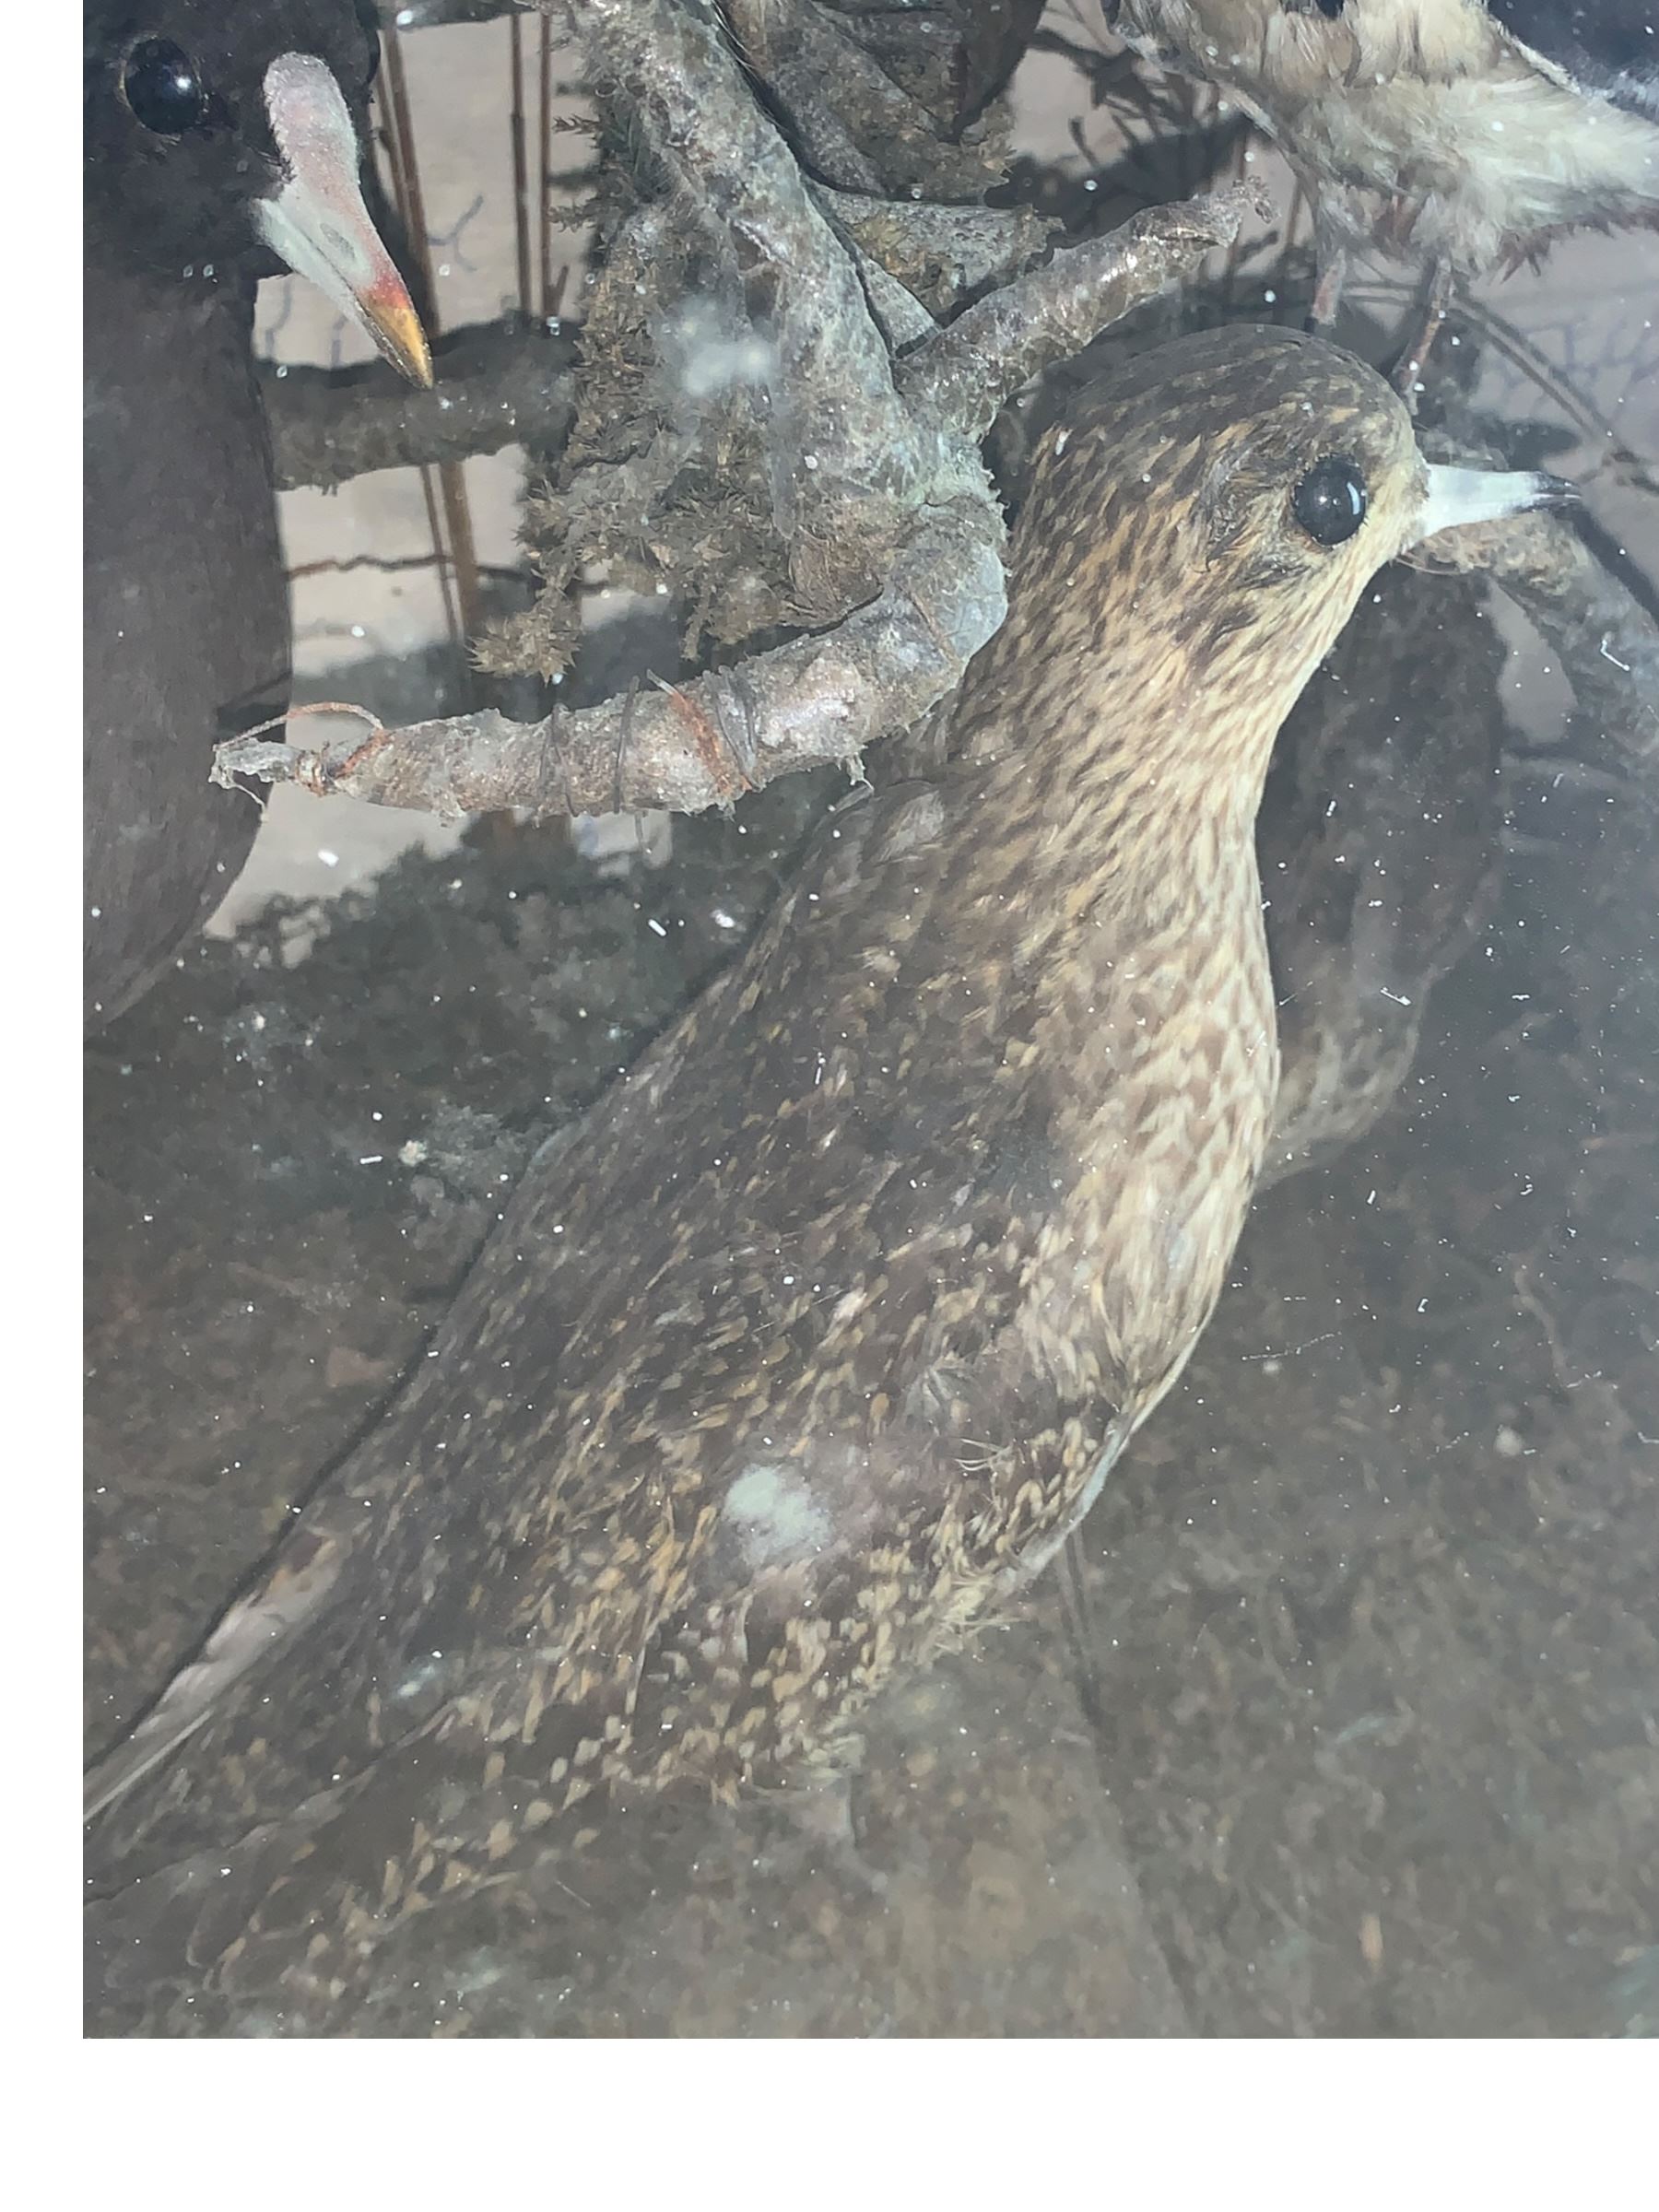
(938, 253)
(817, 698)
(971, 368)
(845, 455)
(496, 386)
(823, 697)
(858, 110)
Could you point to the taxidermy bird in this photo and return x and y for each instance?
(810, 1344)
(1379, 842)
(1471, 132)
(223, 144)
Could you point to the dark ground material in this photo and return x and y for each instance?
(1369, 1629)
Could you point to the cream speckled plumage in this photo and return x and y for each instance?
(1428, 123)
(818, 1336)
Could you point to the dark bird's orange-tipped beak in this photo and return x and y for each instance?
(387, 313)
(316, 221)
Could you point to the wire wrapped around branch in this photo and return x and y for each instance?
(817, 699)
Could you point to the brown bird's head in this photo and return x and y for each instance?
(1199, 527)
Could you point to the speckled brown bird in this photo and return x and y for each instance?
(808, 1348)
(1471, 132)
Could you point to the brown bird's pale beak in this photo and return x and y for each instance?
(316, 221)
(1459, 496)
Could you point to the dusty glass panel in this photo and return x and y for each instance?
(872, 1008)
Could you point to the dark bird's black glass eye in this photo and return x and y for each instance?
(1330, 502)
(163, 88)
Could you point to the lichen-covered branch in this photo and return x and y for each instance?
(496, 386)
(873, 115)
(965, 374)
(845, 456)
(817, 698)
(939, 253)
(826, 696)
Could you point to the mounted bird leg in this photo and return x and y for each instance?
(1331, 264)
(1433, 306)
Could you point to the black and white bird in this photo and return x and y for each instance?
(223, 144)
(1469, 132)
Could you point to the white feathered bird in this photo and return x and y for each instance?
(1469, 132)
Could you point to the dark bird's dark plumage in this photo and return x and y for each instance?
(1471, 132)
(811, 1345)
(1380, 840)
(222, 144)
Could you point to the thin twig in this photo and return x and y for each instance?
(521, 173)
(385, 564)
(393, 144)
(1606, 640)
(544, 164)
(452, 478)
(1613, 454)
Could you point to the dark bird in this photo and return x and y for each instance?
(1379, 843)
(809, 1346)
(1470, 131)
(223, 144)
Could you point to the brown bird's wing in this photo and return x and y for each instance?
(532, 1553)
(735, 1187)
(253, 1630)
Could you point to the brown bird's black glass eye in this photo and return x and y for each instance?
(1329, 503)
(164, 89)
